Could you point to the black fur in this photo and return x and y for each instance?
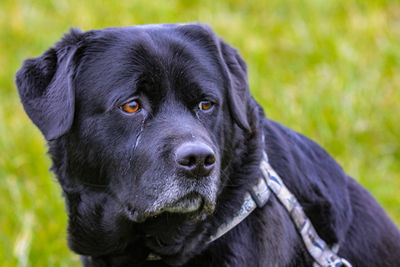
(118, 171)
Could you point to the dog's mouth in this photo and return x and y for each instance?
(189, 203)
(191, 206)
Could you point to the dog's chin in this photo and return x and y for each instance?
(192, 206)
(187, 204)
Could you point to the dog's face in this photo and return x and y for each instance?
(150, 112)
(140, 123)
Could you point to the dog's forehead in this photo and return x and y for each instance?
(116, 59)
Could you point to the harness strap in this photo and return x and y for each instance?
(322, 254)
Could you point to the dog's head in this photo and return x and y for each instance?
(140, 122)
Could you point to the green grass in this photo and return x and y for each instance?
(328, 69)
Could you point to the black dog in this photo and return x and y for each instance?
(155, 140)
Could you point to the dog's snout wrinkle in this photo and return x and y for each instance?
(195, 159)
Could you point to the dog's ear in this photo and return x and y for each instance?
(238, 93)
(46, 90)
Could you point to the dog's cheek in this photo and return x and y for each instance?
(102, 145)
(95, 223)
(110, 130)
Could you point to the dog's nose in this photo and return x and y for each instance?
(196, 159)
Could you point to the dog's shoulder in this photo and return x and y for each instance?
(314, 177)
(341, 210)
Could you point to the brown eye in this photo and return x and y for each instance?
(206, 105)
(131, 107)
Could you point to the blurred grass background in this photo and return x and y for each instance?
(328, 69)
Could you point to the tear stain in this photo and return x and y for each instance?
(138, 137)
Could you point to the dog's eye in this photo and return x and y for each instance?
(131, 107)
(206, 105)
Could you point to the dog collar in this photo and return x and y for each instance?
(323, 255)
(256, 197)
